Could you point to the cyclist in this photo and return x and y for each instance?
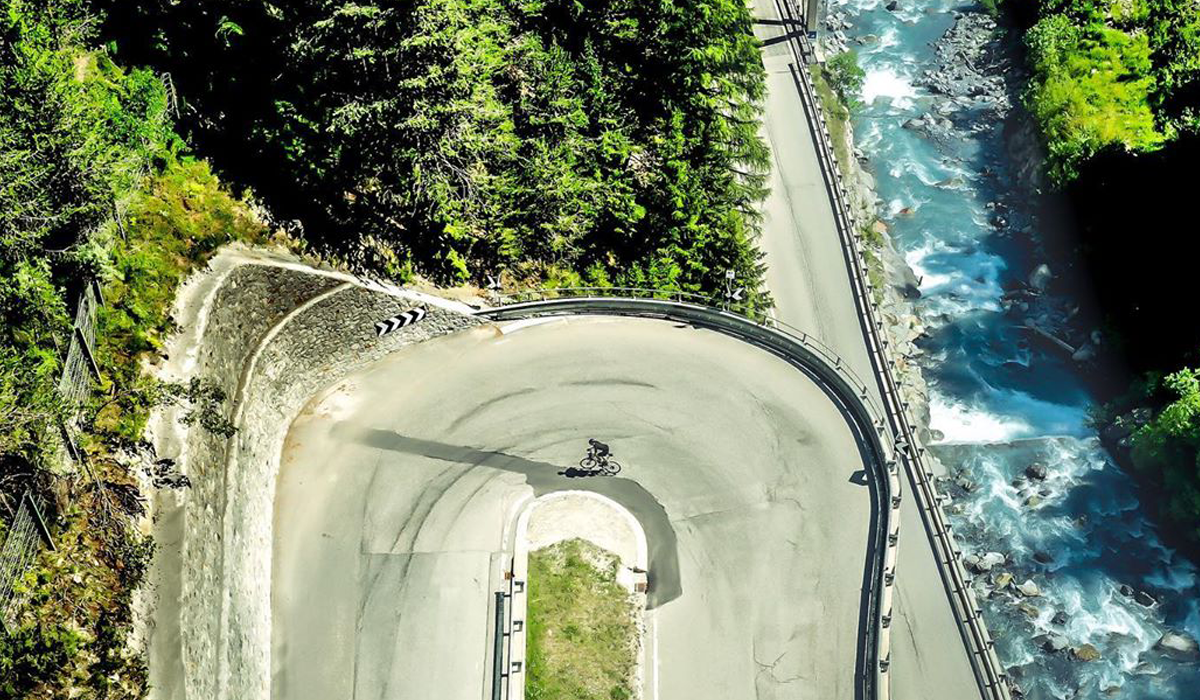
(598, 450)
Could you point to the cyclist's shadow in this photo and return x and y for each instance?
(577, 473)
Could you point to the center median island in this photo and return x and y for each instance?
(583, 625)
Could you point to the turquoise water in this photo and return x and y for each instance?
(1000, 404)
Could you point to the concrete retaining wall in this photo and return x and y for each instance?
(271, 335)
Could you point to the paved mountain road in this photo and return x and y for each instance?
(398, 489)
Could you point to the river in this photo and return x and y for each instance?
(999, 404)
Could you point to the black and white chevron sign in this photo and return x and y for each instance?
(399, 321)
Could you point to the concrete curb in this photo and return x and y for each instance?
(519, 606)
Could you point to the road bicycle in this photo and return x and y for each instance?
(602, 465)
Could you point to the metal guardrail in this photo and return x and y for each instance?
(989, 672)
(810, 355)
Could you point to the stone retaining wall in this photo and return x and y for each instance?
(272, 337)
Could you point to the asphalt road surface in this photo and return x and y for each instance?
(398, 489)
(807, 275)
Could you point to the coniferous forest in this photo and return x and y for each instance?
(546, 143)
(609, 142)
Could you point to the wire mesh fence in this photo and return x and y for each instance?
(26, 532)
(21, 546)
(79, 368)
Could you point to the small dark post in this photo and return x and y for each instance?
(812, 17)
(498, 651)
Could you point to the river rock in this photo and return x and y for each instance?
(1145, 599)
(866, 180)
(1033, 501)
(992, 559)
(892, 5)
(1036, 471)
(1031, 611)
(1043, 557)
(1052, 643)
(1179, 645)
(1029, 589)
(1085, 353)
(1060, 618)
(985, 563)
(1039, 279)
(1002, 580)
(1086, 652)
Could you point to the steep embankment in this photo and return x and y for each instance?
(602, 142)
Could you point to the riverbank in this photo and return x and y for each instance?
(896, 286)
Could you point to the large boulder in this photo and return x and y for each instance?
(990, 560)
(1029, 589)
(1036, 471)
(1179, 645)
(1040, 278)
(982, 564)
(1086, 652)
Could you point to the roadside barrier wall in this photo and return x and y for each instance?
(272, 337)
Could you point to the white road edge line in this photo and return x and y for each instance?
(529, 322)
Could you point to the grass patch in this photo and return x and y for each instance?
(837, 117)
(582, 625)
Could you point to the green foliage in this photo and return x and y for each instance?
(33, 655)
(1167, 449)
(837, 116)
(80, 139)
(992, 7)
(172, 225)
(616, 139)
(1091, 90)
(1112, 74)
(846, 78)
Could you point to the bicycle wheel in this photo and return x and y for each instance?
(611, 467)
(589, 464)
